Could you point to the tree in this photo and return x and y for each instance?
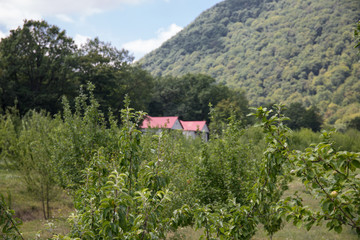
(109, 69)
(36, 67)
(34, 159)
(300, 117)
(354, 123)
(357, 36)
(187, 97)
(235, 107)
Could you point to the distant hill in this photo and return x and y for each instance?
(276, 50)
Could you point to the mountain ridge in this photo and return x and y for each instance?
(277, 51)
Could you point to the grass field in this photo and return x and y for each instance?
(29, 210)
(35, 227)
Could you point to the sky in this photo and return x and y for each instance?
(139, 26)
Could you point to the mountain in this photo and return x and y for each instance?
(276, 50)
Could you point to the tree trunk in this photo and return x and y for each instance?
(47, 201)
(43, 201)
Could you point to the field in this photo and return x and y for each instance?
(28, 209)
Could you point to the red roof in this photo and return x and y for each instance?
(193, 125)
(158, 122)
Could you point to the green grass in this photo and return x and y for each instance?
(29, 210)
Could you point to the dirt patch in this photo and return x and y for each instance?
(29, 214)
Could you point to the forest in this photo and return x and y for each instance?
(276, 51)
(74, 164)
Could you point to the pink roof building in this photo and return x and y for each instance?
(196, 128)
(189, 128)
(194, 125)
(161, 122)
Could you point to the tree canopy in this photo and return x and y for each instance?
(36, 67)
(189, 96)
(39, 64)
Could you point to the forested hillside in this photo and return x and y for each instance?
(277, 51)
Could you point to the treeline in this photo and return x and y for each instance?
(39, 64)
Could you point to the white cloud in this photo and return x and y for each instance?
(80, 39)
(13, 12)
(140, 47)
(65, 18)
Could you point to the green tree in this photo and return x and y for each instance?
(235, 106)
(187, 97)
(300, 117)
(83, 131)
(36, 67)
(34, 159)
(354, 123)
(109, 69)
(357, 35)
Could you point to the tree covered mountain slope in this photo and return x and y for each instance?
(276, 50)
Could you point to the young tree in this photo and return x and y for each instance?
(34, 159)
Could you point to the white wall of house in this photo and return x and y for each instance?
(193, 134)
(190, 134)
(177, 125)
(205, 129)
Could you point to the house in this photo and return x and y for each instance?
(189, 128)
(161, 122)
(196, 128)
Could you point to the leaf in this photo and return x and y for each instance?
(355, 163)
(338, 229)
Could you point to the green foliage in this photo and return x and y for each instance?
(357, 35)
(341, 141)
(274, 176)
(122, 196)
(276, 51)
(331, 176)
(187, 97)
(81, 133)
(227, 168)
(235, 106)
(303, 118)
(39, 64)
(8, 137)
(354, 123)
(34, 157)
(132, 185)
(36, 67)
(8, 225)
(109, 70)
